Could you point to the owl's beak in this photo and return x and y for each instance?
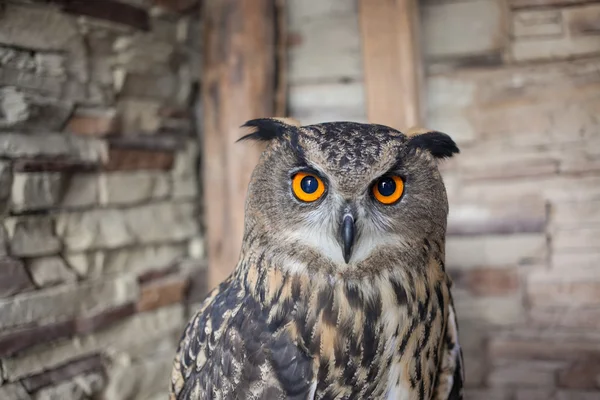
(347, 236)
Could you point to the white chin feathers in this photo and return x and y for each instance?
(325, 243)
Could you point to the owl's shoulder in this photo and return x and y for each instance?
(229, 348)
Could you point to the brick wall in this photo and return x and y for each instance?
(100, 240)
(517, 84)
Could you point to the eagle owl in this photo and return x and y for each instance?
(340, 291)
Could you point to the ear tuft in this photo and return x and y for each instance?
(438, 144)
(266, 129)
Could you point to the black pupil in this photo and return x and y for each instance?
(309, 184)
(386, 186)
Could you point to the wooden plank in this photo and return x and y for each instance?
(238, 84)
(392, 62)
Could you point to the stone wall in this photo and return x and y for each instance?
(100, 238)
(517, 84)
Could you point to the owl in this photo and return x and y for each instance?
(340, 291)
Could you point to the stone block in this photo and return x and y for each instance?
(464, 252)
(580, 163)
(557, 189)
(53, 30)
(186, 172)
(17, 340)
(488, 281)
(162, 292)
(67, 301)
(134, 260)
(565, 317)
(524, 215)
(120, 159)
(576, 395)
(555, 49)
(156, 347)
(31, 236)
(581, 260)
(536, 346)
(543, 293)
(511, 373)
(111, 228)
(94, 229)
(447, 99)
(517, 107)
(56, 33)
(581, 375)
(475, 164)
(116, 340)
(139, 116)
(82, 387)
(576, 239)
(161, 87)
(80, 189)
(25, 111)
(50, 271)
(45, 63)
(138, 381)
(144, 53)
(533, 394)
(120, 188)
(583, 21)
(321, 51)
(85, 365)
(13, 277)
(197, 248)
(36, 191)
(52, 145)
(198, 282)
(583, 38)
(14, 391)
(115, 188)
(177, 126)
(500, 311)
(464, 28)
(573, 215)
(92, 122)
(477, 371)
(537, 23)
(488, 394)
(323, 102)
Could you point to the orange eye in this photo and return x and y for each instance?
(389, 189)
(307, 187)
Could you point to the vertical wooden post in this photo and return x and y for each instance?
(238, 84)
(392, 62)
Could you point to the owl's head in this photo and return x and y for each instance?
(341, 194)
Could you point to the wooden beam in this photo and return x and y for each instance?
(238, 84)
(392, 62)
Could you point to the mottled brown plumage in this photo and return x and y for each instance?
(295, 320)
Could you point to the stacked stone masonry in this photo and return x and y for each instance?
(524, 225)
(101, 247)
(517, 84)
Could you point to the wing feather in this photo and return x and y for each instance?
(451, 374)
(228, 350)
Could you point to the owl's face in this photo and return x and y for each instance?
(339, 194)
